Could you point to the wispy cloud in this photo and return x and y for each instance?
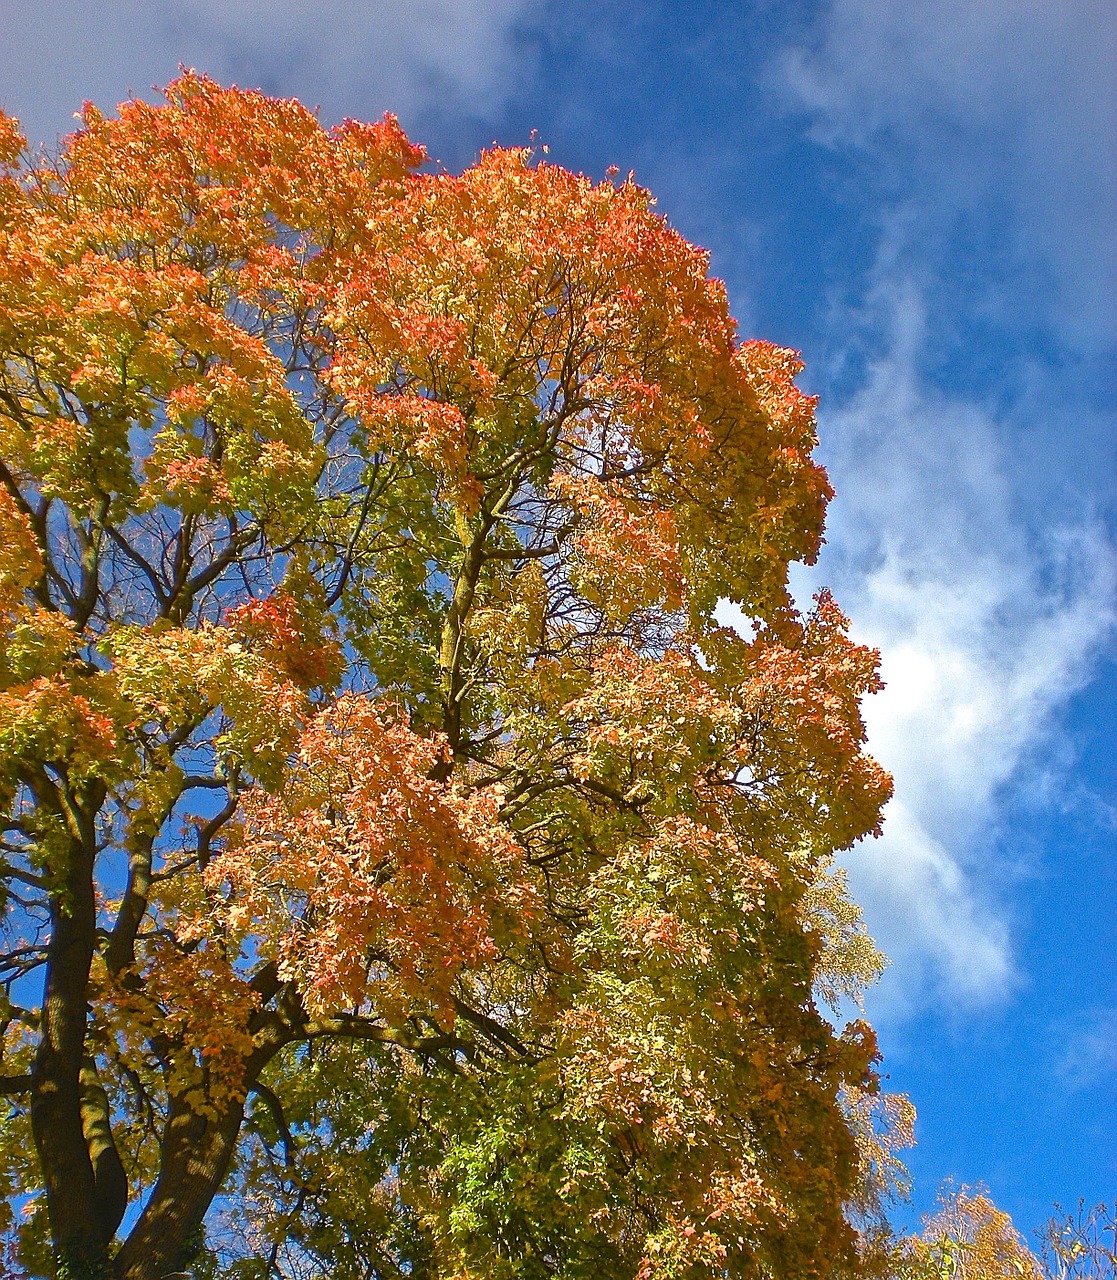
(405, 56)
(986, 628)
(996, 112)
(965, 539)
(1089, 1056)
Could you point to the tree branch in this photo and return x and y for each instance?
(275, 1108)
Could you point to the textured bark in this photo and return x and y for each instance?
(110, 1182)
(196, 1153)
(77, 1229)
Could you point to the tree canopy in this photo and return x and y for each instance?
(406, 873)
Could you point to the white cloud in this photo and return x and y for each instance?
(955, 542)
(351, 58)
(985, 629)
(1003, 108)
(403, 55)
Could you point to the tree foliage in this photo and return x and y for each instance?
(406, 873)
(969, 1238)
(1080, 1245)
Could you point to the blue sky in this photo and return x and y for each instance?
(922, 198)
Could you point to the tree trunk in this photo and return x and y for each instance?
(195, 1157)
(77, 1219)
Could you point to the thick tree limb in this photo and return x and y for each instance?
(110, 1182)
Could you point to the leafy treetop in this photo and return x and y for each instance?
(406, 873)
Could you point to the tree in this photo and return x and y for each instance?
(1080, 1245)
(406, 873)
(968, 1238)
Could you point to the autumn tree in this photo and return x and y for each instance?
(1081, 1245)
(406, 873)
(966, 1238)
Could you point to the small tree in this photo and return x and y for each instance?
(1080, 1245)
(969, 1238)
(397, 848)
